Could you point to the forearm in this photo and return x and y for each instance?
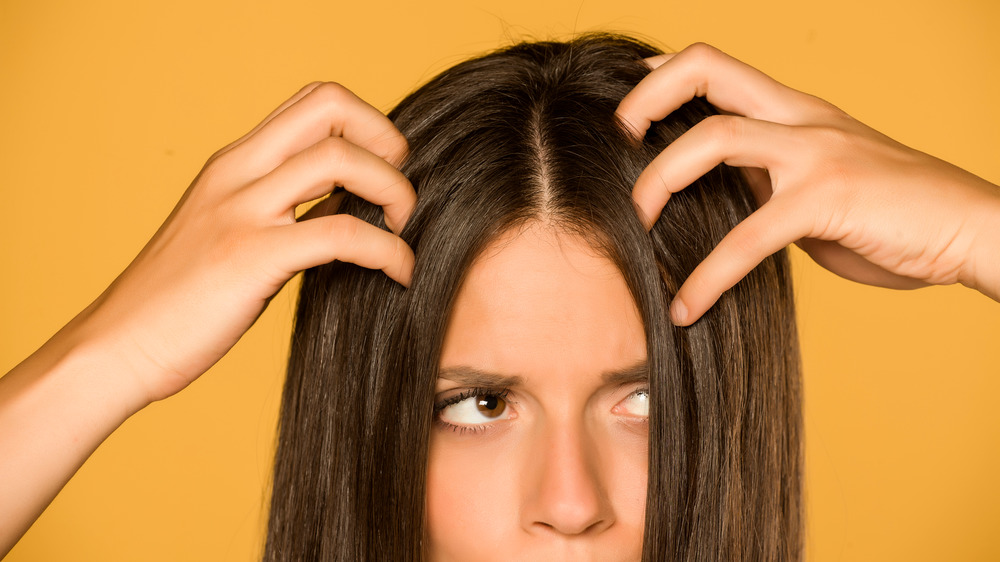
(56, 407)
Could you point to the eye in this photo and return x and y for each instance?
(636, 404)
(474, 408)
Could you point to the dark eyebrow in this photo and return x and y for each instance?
(629, 375)
(467, 376)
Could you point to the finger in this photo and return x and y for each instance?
(764, 232)
(298, 95)
(346, 238)
(727, 83)
(732, 140)
(333, 161)
(327, 110)
(851, 265)
(657, 61)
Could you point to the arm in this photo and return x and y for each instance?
(56, 407)
(862, 205)
(203, 279)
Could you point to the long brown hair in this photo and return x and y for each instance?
(528, 132)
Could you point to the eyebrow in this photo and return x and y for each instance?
(468, 376)
(631, 374)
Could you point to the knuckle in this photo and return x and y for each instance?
(701, 59)
(331, 94)
(702, 52)
(398, 144)
(333, 151)
(345, 229)
(725, 129)
(827, 138)
(702, 56)
(832, 151)
(826, 111)
(216, 155)
(217, 168)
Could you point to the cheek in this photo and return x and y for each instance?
(623, 450)
(471, 503)
(626, 466)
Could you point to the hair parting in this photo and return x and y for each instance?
(523, 134)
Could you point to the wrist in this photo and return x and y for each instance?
(108, 343)
(94, 364)
(983, 266)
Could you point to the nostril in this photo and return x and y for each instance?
(568, 529)
(597, 526)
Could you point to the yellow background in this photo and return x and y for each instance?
(109, 108)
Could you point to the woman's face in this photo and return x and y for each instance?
(539, 446)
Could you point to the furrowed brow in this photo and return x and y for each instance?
(629, 375)
(467, 376)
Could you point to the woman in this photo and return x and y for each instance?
(833, 187)
(535, 329)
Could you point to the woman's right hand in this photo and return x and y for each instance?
(200, 283)
(233, 240)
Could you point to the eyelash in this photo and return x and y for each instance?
(465, 394)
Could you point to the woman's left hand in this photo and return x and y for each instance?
(860, 204)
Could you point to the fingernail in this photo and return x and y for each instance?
(678, 312)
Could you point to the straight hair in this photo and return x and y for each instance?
(528, 133)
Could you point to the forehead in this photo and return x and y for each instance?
(540, 300)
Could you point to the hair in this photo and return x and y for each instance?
(521, 134)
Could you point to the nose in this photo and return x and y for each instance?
(564, 491)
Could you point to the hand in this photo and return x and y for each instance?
(860, 204)
(233, 240)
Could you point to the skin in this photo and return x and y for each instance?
(861, 204)
(560, 474)
(200, 283)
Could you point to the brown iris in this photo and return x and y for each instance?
(490, 405)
